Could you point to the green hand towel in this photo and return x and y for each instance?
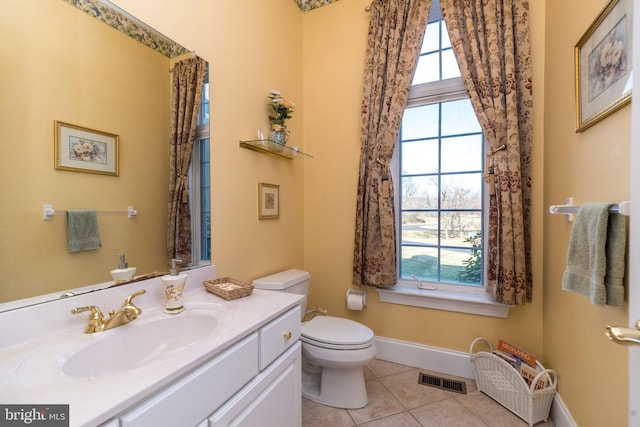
(616, 248)
(596, 255)
(82, 230)
(586, 256)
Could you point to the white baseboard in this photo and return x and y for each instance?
(560, 414)
(424, 357)
(452, 363)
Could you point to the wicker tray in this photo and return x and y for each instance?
(228, 288)
(499, 380)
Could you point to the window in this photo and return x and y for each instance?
(200, 185)
(440, 199)
(439, 163)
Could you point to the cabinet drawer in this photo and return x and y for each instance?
(278, 336)
(195, 396)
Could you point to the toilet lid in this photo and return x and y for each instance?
(336, 331)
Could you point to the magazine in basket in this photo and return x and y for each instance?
(525, 356)
(523, 361)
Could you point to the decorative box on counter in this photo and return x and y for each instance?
(228, 288)
(499, 378)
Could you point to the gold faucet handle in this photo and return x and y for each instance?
(129, 308)
(95, 311)
(127, 300)
(96, 318)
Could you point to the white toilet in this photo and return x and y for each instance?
(334, 350)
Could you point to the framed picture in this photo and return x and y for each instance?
(80, 149)
(603, 61)
(268, 201)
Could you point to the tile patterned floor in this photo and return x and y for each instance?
(397, 400)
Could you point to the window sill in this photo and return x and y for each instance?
(479, 304)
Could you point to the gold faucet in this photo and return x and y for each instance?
(127, 313)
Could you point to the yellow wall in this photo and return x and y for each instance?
(589, 166)
(43, 41)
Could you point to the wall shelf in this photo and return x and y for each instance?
(267, 146)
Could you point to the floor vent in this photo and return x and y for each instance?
(443, 383)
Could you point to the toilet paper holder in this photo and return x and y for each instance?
(356, 296)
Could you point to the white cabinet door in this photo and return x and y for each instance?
(192, 398)
(273, 398)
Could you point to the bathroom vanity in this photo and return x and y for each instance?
(218, 363)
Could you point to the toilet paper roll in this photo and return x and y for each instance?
(356, 300)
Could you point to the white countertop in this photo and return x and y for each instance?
(36, 342)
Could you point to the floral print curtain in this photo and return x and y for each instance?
(490, 39)
(395, 37)
(186, 95)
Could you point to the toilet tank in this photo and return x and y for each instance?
(293, 281)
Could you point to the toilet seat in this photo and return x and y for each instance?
(336, 333)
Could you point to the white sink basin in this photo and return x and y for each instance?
(135, 344)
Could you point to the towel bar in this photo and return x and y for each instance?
(48, 212)
(569, 209)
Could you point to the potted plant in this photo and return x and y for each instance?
(281, 110)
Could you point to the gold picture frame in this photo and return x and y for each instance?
(268, 201)
(80, 149)
(603, 64)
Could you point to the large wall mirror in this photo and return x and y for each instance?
(62, 64)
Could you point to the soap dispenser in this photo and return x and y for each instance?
(123, 273)
(173, 286)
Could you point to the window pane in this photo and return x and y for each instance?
(449, 65)
(458, 118)
(461, 191)
(473, 267)
(419, 157)
(420, 122)
(205, 170)
(204, 176)
(203, 116)
(205, 237)
(420, 228)
(420, 192)
(459, 227)
(428, 69)
(454, 266)
(446, 42)
(204, 150)
(462, 153)
(431, 41)
(419, 261)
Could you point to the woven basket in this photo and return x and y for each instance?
(228, 288)
(499, 380)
